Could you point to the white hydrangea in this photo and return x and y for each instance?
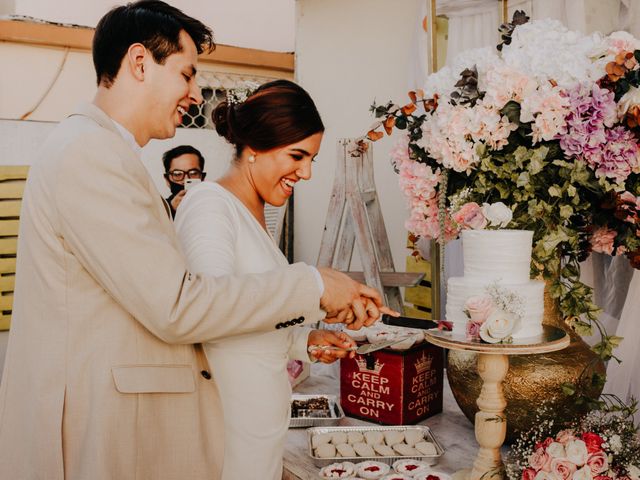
(547, 50)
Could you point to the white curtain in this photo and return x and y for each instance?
(474, 23)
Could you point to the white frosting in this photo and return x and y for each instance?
(502, 257)
(532, 294)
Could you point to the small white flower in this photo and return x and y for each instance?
(497, 214)
(556, 450)
(577, 452)
(615, 443)
(499, 326)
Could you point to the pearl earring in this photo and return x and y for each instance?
(252, 158)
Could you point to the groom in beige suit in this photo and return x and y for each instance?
(104, 376)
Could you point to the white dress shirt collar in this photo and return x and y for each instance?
(129, 138)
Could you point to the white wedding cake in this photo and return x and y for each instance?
(497, 260)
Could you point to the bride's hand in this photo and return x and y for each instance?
(340, 345)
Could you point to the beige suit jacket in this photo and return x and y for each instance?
(101, 379)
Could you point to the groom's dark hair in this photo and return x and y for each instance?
(154, 24)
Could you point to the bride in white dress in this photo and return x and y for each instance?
(277, 133)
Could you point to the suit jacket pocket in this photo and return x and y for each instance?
(153, 378)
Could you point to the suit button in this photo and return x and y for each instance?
(288, 323)
(300, 319)
(205, 374)
(279, 326)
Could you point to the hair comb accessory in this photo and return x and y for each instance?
(241, 92)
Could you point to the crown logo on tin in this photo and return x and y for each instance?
(423, 363)
(362, 365)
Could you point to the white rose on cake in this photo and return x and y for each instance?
(499, 326)
(497, 214)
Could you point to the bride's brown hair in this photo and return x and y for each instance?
(276, 114)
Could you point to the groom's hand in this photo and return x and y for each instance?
(350, 302)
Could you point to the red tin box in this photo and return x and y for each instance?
(393, 387)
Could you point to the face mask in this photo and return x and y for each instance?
(176, 188)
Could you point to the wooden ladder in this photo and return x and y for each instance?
(354, 217)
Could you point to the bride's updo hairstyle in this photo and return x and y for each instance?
(276, 114)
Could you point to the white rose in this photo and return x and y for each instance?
(628, 100)
(556, 450)
(577, 452)
(633, 472)
(582, 474)
(497, 214)
(499, 326)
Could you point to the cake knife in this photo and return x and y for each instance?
(362, 349)
(409, 322)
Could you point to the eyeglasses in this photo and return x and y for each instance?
(179, 175)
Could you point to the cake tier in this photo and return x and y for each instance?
(503, 255)
(531, 292)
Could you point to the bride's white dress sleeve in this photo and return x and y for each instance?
(207, 232)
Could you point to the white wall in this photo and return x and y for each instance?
(21, 141)
(349, 54)
(241, 23)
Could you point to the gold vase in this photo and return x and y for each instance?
(532, 380)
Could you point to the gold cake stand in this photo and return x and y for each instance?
(493, 364)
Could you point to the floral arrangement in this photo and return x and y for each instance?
(604, 445)
(495, 316)
(241, 92)
(548, 127)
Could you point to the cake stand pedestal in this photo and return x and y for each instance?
(493, 364)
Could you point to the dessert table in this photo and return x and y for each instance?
(493, 365)
(451, 428)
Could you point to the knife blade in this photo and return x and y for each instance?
(409, 322)
(373, 347)
(361, 349)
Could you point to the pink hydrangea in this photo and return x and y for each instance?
(470, 216)
(618, 156)
(547, 108)
(602, 240)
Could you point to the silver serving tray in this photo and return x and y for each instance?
(335, 411)
(426, 433)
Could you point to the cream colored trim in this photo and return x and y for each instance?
(80, 38)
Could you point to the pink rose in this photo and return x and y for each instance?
(540, 460)
(473, 330)
(565, 436)
(544, 444)
(598, 462)
(470, 216)
(602, 240)
(604, 477)
(478, 308)
(562, 468)
(593, 442)
(528, 474)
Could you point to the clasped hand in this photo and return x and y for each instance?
(350, 302)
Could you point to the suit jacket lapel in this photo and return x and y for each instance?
(101, 118)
